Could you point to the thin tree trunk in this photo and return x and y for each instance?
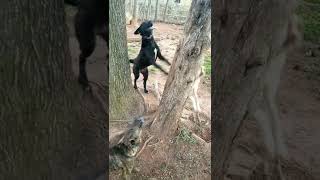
(144, 10)
(186, 67)
(134, 13)
(250, 44)
(156, 11)
(125, 102)
(42, 107)
(149, 10)
(165, 11)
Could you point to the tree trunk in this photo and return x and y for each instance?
(134, 13)
(125, 102)
(46, 131)
(149, 10)
(156, 11)
(165, 11)
(250, 44)
(185, 68)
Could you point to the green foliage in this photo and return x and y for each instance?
(185, 136)
(309, 13)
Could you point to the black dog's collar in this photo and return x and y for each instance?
(147, 37)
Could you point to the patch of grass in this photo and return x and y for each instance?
(152, 69)
(185, 136)
(309, 13)
(132, 51)
(207, 64)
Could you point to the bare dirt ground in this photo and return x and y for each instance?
(299, 99)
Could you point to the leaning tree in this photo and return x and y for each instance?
(49, 127)
(185, 69)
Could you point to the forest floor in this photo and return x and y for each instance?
(186, 159)
(299, 100)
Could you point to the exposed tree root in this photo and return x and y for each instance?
(144, 145)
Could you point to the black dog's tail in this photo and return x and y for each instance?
(72, 2)
(131, 61)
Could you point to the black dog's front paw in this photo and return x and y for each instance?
(146, 91)
(135, 87)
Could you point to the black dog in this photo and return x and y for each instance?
(148, 54)
(90, 20)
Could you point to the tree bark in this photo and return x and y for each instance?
(46, 130)
(185, 68)
(125, 102)
(250, 43)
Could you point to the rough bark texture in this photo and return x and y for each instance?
(251, 39)
(44, 131)
(125, 102)
(185, 68)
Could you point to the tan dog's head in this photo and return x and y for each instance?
(132, 138)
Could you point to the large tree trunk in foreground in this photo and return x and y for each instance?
(124, 101)
(186, 67)
(251, 39)
(46, 130)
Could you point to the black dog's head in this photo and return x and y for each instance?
(145, 29)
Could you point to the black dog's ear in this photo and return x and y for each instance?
(137, 31)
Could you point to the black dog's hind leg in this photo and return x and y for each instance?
(159, 55)
(136, 75)
(159, 67)
(145, 74)
(86, 38)
(103, 33)
(85, 53)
